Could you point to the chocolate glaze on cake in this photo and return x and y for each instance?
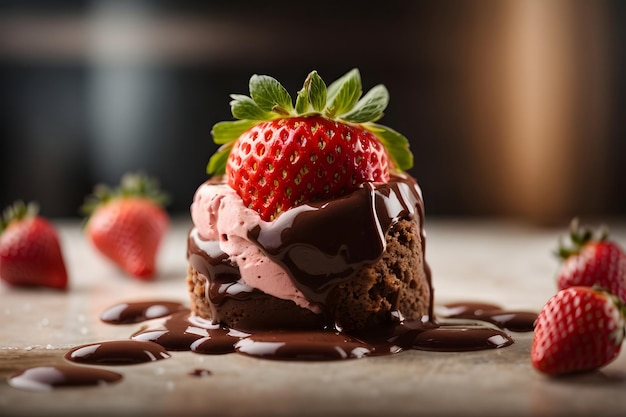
(359, 258)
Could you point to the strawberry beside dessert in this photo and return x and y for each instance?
(30, 251)
(127, 224)
(579, 329)
(309, 220)
(582, 327)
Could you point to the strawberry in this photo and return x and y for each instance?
(30, 252)
(277, 156)
(579, 329)
(127, 224)
(592, 259)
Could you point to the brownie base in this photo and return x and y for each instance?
(398, 281)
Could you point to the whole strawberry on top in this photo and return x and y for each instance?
(579, 329)
(127, 224)
(279, 155)
(592, 259)
(30, 252)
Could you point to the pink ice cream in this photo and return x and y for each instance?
(220, 217)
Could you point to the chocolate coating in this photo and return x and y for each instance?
(359, 258)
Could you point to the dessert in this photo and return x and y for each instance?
(309, 220)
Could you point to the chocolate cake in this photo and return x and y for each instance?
(309, 219)
(359, 259)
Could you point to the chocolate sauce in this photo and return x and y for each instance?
(355, 226)
(184, 331)
(176, 334)
(45, 378)
(120, 352)
(516, 321)
(201, 373)
(136, 312)
(461, 339)
(303, 345)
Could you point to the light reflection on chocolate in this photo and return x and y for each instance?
(355, 226)
(118, 352)
(516, 321)
(136, 312)
(46, 378)
(183, 331)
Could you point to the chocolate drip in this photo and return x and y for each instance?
(517, 321)
(222, 277)
(321, 244)
(183, 331)
(45, 378)
(119, 352)
(136, 312)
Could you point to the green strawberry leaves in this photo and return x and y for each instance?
(396, 144)
(132, 184)
(579, 236)
(16, 212)
(340, 101)
(245, 108)
(270, 95)
(370, 108)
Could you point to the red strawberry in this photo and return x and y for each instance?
(279, 156)
(30, 253)
(579, 329)
(127, 225)
(281, 163)
(592, 260)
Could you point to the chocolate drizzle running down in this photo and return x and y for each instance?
(294, 240)
(355, 229)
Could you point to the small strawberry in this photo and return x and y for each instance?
(127, 224)
(592, 259)
(30, 252)
(579, 329)
(278, 156)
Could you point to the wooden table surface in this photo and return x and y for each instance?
(507, 263)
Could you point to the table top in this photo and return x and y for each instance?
(496, 261)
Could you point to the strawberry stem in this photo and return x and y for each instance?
(17, 211)
(131, 185)
(579, 236)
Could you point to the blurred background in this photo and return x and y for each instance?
(513, 108)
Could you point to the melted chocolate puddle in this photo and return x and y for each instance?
(45, 378)
(183, 331)
(122, 352)
(303, 345)
(201, 373)
(516, 321)
(127, 313)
